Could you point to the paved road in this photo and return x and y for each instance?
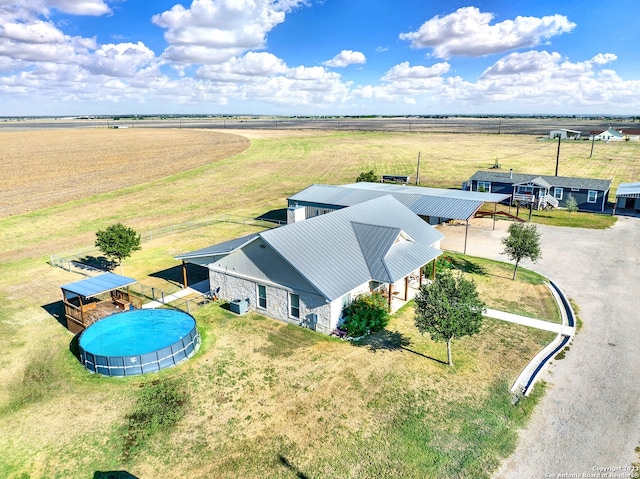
(590, 416)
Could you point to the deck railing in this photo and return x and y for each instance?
(541, 201)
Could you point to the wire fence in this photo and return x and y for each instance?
(89, 262)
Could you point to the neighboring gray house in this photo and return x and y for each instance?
(307, 272)
(434, 205)
(628, 196)
(544, 190)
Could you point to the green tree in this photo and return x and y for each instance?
(523, 242)
(367, 313)
(118, 242)
(449, 308)
(369, 176)
(571, 204)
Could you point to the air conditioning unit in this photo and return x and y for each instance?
(239, 306)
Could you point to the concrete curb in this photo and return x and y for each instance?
(531, 372)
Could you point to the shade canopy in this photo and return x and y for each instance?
(98, 284)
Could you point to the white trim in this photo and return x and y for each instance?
(557, 189)
(258, 305)
(291, 315)
(485, 184)
(595, 200)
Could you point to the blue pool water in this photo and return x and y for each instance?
(136, 342)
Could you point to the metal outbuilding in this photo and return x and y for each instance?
(628, 196)
(564, 134)
(434, 205)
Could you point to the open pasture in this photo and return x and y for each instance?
(261, 398)
(46, 167)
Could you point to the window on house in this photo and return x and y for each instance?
(524, 190)
(345, 301)
(484, 186)
(294, 305)
(592, 196)
(262, 296)
(557, 193)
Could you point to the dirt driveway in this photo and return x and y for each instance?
(590, 417)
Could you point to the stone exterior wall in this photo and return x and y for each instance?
(315, 312)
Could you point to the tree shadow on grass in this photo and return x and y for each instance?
(285, 462)
(467, 266)
(386, 340)
(98, 262)
(113, 475)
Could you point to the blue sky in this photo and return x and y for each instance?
(319, 57)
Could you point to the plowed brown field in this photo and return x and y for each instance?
(48, 167)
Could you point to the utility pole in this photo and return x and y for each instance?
(558, 155)
(418, 171)
(593, 140)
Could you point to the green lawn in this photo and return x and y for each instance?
(578, 219)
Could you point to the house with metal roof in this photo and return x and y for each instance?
(628, 196)
(544, 190)
(308, 272)
(434, 205)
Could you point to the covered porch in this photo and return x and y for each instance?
(536, 193)
(400, 293)
(92, 299)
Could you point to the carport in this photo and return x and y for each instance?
(627, 197)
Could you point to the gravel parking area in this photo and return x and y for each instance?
(589, 419)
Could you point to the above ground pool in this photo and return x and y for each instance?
(138, 342)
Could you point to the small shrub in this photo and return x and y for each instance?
(161, 404)
(367, 314)
(443, 263)
(369, 176)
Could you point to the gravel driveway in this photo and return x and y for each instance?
(589, 419)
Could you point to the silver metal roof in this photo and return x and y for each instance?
(98, 284)
(336, 253)
(424, 191)
(377, 240)
(435, 202)
(628, 190)
(220, 249)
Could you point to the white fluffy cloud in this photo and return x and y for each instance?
(404, 71)
(120, 60)
(468, 32)
(346, 58)
(79, 7)
(213, 31)
(253, 65)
